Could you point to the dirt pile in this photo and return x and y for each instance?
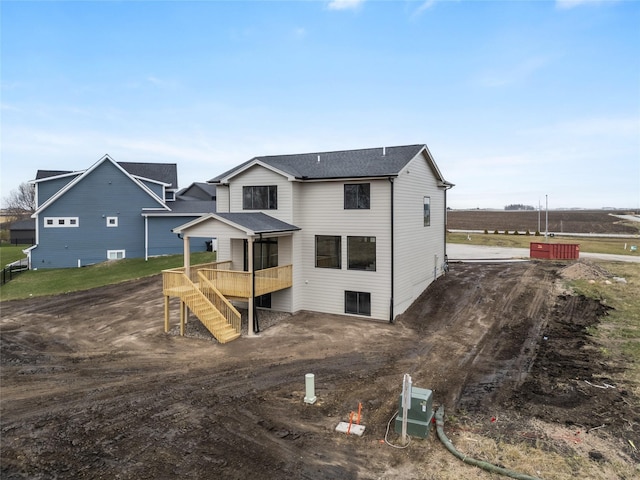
(584, 270)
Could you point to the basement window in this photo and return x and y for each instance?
(357, 303)
(116, 254)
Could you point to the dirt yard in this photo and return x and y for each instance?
(93, 388)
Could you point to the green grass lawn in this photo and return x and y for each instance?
(619, 331)
(11, 253)
(587, 244)
(62, 280)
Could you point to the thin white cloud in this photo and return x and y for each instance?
(299, 32)
(426, 5)
(345, 4)
(569, 4)
(515, 74)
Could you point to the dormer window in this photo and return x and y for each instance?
(260, 197)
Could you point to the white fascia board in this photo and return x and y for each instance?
(426, 155)
(78, 179)
(151, 180)
(208, 217)
(55, 177)
(225, 180)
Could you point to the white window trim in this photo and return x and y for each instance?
(61, 222)
(115, 253)
(109, 224)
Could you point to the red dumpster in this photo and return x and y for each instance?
(554, 251)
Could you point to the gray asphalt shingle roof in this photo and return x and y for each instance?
(40, 174)
(369, 162)
(161, 172)
(258, 222)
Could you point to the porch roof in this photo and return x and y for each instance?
(252, 223)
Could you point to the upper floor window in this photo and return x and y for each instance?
(260, 198)
(357, 195)
(112, 221)
(361, 253)
(427, 211)
(61, 222)
(328, 251)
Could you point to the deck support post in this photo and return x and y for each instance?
(186, 243)
(182, 315)
(166, 313)
(250, 331)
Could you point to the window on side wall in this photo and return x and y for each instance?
(112, 221)
(115, 254)
(357, 196)
(361, 253)
(427, 211)
(61, 222)
(260, 197)
(357, 303)
(328, 251)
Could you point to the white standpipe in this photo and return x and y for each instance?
(310, 389)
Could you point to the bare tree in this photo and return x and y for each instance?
(21, 203)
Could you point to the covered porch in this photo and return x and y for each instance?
(253, 253)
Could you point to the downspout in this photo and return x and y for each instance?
(146, 238)
(392, 255)
(446, 217)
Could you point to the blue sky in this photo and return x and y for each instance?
(515, 100)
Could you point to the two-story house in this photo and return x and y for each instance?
(361, 232)
(111, 210)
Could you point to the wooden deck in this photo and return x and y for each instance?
(230, 283)
(208, 287)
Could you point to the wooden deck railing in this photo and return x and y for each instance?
(273, 279)
(230, 283)
(230, 313)
(194, 269)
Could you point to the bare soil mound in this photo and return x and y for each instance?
(93, 388)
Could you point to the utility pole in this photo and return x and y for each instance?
(546, 220)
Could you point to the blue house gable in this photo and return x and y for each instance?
(103, 214)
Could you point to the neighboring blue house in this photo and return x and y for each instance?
(112, 210)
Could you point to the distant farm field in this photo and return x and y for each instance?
(560, 221)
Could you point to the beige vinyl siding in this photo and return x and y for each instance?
(417, 246)
(298, 260)
(222, 198)
(259, 176)
(320, 211)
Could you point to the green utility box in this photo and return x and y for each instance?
(419, 415)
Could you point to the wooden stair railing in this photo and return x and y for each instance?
(224, 306)
(208, 314)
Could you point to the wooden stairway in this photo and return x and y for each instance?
(208, 314)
